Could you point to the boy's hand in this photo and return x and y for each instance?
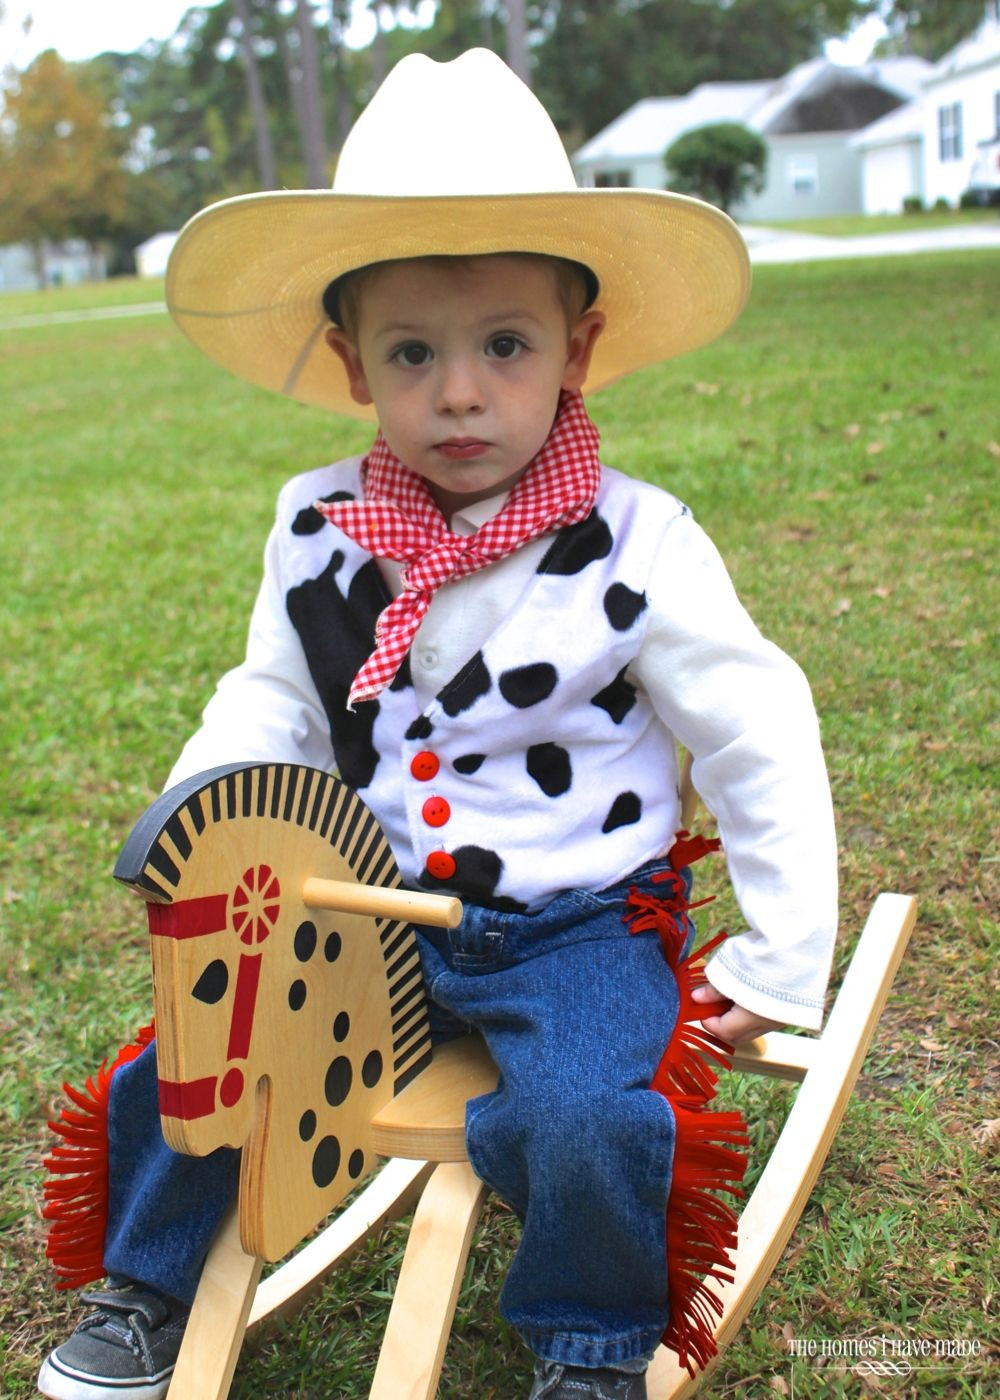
(730, 1022)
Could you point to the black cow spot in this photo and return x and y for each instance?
(477, 874)
(625, 811)
(309, 521)
(550, 767)
(578, 545)
(421, 728)
(623, 606)
(462, 691)
(617, 698)
(326, 1161)
(338, 636)
(468, 763)
(524, 686)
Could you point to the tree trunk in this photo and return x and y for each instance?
(518, 57)
(340, 18)
(266, 165)
(313, 132)
(379, 55)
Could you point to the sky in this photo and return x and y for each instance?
(80, 29)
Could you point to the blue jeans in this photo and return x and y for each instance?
(576, 1013)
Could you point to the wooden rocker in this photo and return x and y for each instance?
(291, 1021)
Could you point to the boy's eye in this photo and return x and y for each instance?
(504, 347)
(414, 354)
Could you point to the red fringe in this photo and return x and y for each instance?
(76, 1193)
(701, 1228)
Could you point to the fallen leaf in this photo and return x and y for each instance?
(843, 605)
(993, 448)
(779, 1385)
(886, 1169)
(852, 430)
(874, 448)
(987, 1131)
(882, 592)
(934, 1046)
(788, 1332)
(700, 387)
(954, 1021)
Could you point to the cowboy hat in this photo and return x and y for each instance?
(448, 158)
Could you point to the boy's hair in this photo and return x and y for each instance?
(576, 285)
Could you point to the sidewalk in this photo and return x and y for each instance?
(775, 245)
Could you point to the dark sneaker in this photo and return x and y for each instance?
(554, 1381)
(125, 1350)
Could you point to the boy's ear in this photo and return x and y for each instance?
(582, 340)
(347, 352)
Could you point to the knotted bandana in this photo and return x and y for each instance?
(399, 520)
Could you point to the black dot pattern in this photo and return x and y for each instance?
(212, 984)
(309, 520)
(371, 1070)
(297, 994)
(577, 546)
(332, 946)
(421, 728)
(468, 763)
(305, 941)
(339, 1078)
(326, 1161)
(356, 1164)
(341, 1026)
(307, 1125)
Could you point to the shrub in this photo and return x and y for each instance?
(721, 162)
(913, 204)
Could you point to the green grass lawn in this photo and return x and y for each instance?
(842, 446)
(860, 225)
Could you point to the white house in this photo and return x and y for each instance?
(151, 256)
(934, 147)
(807, 118)
(961, 110)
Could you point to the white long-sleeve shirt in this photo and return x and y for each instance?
(549, 690)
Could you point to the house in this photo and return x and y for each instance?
(807, 118)
(23, 268)
(936, 147)
(151, 256)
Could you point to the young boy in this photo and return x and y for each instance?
(498, 642)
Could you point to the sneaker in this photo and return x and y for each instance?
(554, 1381)
(125, 1350)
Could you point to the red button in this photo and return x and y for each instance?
(441, 865)
(435, 811)
(425, 765)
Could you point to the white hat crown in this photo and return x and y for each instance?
(468, 127)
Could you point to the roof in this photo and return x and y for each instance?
(906, 123)
(651, 125)
(977, 51)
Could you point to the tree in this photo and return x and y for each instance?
(722, 162)
(61, 173)
(928, 28)
(255, 93)
(598, 57)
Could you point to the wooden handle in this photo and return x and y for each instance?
(441, 911)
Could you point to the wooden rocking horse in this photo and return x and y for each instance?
(291, 1021)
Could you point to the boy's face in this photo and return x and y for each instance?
(464, 366)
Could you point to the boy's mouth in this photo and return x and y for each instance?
(462, 449)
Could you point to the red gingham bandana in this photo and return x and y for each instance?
(399, 520)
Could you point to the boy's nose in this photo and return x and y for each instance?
(458, 389)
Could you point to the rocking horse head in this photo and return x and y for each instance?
(282, 1025)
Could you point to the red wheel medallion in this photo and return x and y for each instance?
(256, 904)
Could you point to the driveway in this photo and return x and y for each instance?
(776, 245)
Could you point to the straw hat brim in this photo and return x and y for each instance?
(246, 276)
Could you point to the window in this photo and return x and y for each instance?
(803, 175)
(613, 179)
(950, 131)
